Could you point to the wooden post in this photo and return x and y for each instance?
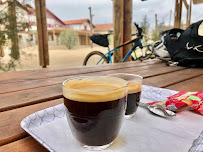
(54, 37)
(86, 38)
(79, 40)
(190, 9)
(127, 33)
(118, 28)
(187, 18)
(176, 15)
(170, 18)
(156, 23)
(40, 10)
(180, 13)
(91, 25)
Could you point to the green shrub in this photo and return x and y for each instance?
(69, 38)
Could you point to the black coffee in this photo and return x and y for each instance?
(132, 104)
(95, 123)
(134, 92)
(95, 108)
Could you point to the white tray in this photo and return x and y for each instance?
(143, 133)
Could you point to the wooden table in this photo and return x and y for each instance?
(23, 93)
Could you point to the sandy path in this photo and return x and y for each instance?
(60, 57)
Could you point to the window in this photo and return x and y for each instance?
(85, 28)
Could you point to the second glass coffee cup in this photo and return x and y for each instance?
(134, 92)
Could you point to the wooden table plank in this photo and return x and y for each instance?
(195, 84)
(36, 95)
(27, 144)
(29, 97)
(173, 78)
(6, 88)
(10, 77)
(10, 129)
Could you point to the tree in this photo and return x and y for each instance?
(145, 27)
(69, 38)
(156, 33)
(12, 26)
(9, 33)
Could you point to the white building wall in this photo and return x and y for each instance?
(4, 7)
(22, 15)
(79, 27)
(82, 27)
(74, 26)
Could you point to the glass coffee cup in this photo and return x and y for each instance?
(95, 107)
(134, 92)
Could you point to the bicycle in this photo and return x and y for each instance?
(102, 39)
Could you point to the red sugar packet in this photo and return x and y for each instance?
(183, 101)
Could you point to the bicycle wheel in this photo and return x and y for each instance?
(146, 57)
(93, 58)
(149, 54)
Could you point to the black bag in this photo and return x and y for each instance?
(185, 47)
(100, 39)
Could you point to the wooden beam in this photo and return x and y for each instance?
(187, 18)
(186, 5)
(127, 33)
(118, 28)
(40, 10)
(180, 13)
(197, 1)
(190, 12)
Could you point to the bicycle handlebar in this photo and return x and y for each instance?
(139, 29)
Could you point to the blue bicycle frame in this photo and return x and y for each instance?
(125, 58)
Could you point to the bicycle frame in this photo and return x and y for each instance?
(143, 53)
(127, 55)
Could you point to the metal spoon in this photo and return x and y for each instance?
(158, 110)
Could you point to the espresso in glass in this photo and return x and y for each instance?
(95, 107)
(134, 92)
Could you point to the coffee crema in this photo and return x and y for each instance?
(90, 90)
(134, 87)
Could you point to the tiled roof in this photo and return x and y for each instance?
(76, 21)
(31, 10)
(3, 2)
(55, 16)
(103, 27)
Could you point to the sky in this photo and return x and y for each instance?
(103, 10)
